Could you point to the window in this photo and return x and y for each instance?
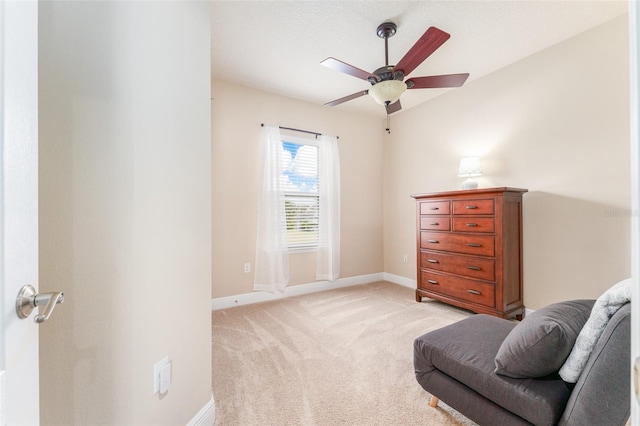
(299, 178)
(298, 207)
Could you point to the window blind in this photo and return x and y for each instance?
(300, 182)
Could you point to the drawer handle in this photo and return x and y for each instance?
(433, 241)
(472, 224)
(474, 292)
(432, 261)
(471, 207)
(434, 208)
(474, 268)
(474, 245)
(435, 224)
(432, 281)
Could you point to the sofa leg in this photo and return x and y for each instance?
(433, 402)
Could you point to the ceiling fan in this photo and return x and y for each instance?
(387, 82)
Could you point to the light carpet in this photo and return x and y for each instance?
(338, 357)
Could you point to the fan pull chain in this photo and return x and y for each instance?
(388, 129)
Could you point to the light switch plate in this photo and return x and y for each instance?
(157, 368)
(165, 377)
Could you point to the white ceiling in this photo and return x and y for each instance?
(277, 46)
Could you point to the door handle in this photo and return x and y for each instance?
(28, 299)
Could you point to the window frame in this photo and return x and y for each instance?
(303, 247)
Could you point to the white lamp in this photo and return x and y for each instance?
(469, 168)
(387, 91)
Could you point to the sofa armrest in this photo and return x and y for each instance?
(601, 395)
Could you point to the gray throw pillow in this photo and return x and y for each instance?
(540, 344)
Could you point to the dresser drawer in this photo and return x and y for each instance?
(435, 223)
(435, 207)
(464, 207)
(474, 224)
(460, 288)
(475, 267)
(460, 243)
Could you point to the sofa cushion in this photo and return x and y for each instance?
(604, 308)
(540, 344)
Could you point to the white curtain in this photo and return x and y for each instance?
(272, 258)
(328, 263)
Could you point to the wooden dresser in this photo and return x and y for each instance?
(469, 249)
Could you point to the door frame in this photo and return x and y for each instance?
(634, 69)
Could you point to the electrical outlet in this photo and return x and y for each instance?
(405, 258)
(247, 268)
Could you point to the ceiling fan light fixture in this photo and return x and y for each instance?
(387, 82)
(387, 92)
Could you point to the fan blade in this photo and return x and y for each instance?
(435, 81)
(430, 41)
(340, 66)
(394, 107)
(347, 98)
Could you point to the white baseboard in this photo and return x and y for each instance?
(403, 281)
(297, 290)
(294, 290)
(206, 416)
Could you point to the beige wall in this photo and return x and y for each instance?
(125, 215)
(556, 123)
(237, 113)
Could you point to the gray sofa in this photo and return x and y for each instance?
(458, 364)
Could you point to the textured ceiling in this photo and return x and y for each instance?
(277, 46)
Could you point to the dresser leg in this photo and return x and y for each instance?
(418, 297)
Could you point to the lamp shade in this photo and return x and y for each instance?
(387, 91)
(470, 166)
